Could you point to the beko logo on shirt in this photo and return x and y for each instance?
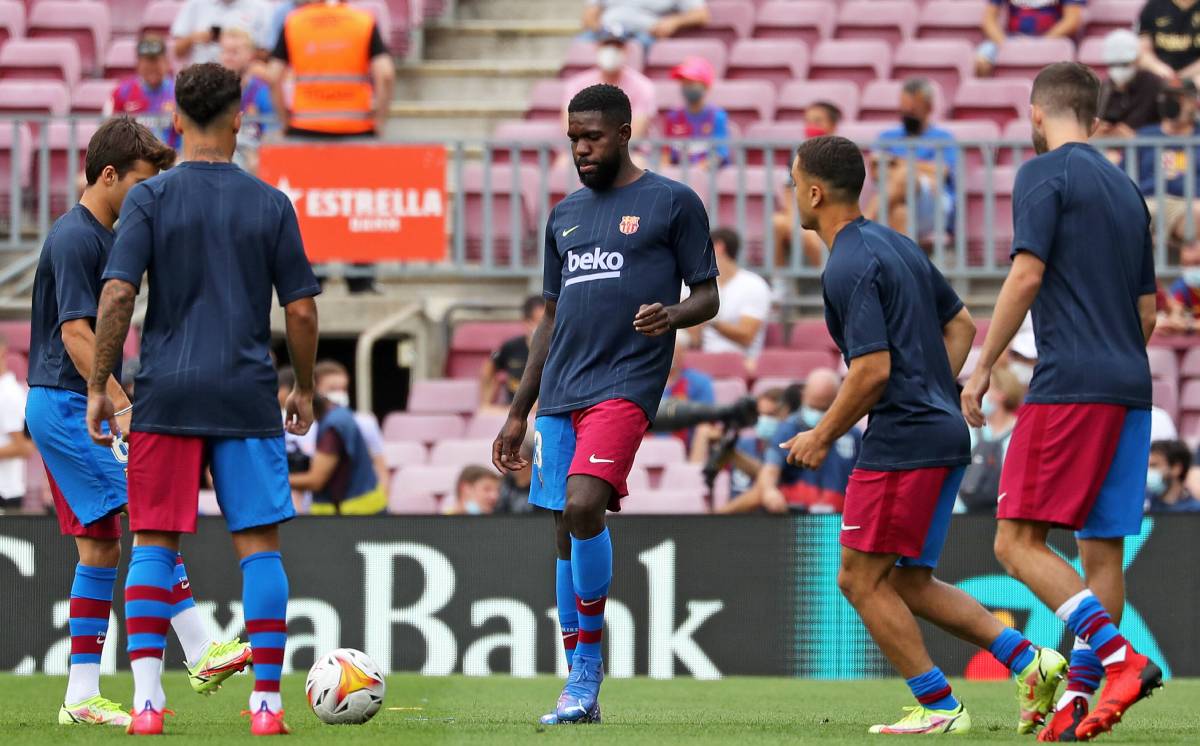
(608, 262)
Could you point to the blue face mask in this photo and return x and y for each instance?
(766, 426)
(472, 509)
(1191, 275)
(985, 433)
(1156, 484)
(811, 416)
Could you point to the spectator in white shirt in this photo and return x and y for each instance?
(15, 446)
(741, 324)
(196, 30)
(647, 20)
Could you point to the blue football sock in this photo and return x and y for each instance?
(1092, 624)
(91, 600)
(591, 570)
(1085, 672)
(932, 690)
(148, 600)
(1013, 650)
(568, 616)
(265, 597)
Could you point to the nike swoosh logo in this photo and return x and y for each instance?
(1001, 497)
(850, 528)
(590, 603)
(595, 460)
(569, 231)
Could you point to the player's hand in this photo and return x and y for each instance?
(652, 320)
(972, 395)
(506, 449)
(100, 411)
(806, 450)
(298, 412)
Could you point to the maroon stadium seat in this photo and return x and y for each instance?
(486, 424)
(753, 184)
(774, 60)
(1104, 16)
(121, 59)
(581, 55)
(91, 96)
(808, 21)
(461, 452)
(59, 136)
(421, 428)
(40, 59)
(727, 390)
(1091, 52)
(536, 134)
(746, 101)
(945, 61)
(1002, 186)
(1166, 397)
(658, 451)
(717, 364)
(776, 334)
(729, 20)
(158, 16)
(546, 101)
(668, 53)
(787, 134)
(12, 20)
(1191, 363)
(997, 99)
(857, 60)
(638, 480)
(16, 152)
(399, 454)
(764, 384)
(973, 130)
(563, 181)
(1164, 364)
(418, 489)
(17, 333)
(444, 396)
(501, 218)
(84, 23)
(863, 133)
(685, 476)
(951, 19)
(1019, 130)
(811, 334)
(881, 101)
(793, 364)
(798, 95)
(1024, 57)
(1189, 410)
(891, 21)
(38, 96)
(474, 341)
(126, 15)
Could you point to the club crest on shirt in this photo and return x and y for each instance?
(629, 224)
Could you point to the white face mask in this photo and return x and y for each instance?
(610, 58)
(1121, 74)
(340, 398)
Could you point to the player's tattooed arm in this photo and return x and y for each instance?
(701, 305)
(506, 449)
(112, 325)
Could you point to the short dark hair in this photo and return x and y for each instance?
(473, 473)
(831, 110)
(531, 304)
(835, 161)
(1067, 88)
(1175, 452)
(207, 91)
(287, 378)
(609, 100)
(730, 239)
(774, 395)
(328, 368)
(121, 142)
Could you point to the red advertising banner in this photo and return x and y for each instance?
(364, 203)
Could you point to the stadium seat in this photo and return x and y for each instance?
(668, 53)
(729, 20)
(121, 59)
(1165, 396)
(784, 136)
(1190, 367)
(891, 21)
(461, 452)
(444, 396)
(18, 365)
(1091, 52)
(563, 181)
(63, 137)
(16, 333)
(12, 20)
(811, 334)
(416, 490)
(951, 19)
(1189, 411)
(657, 451)
(664, 502)
(727, 390)
(40, 59)
(84, 23)
(974, 130)
(881, 101)
(91, 96)
(978, 183)
(751, 217)
(865, 134)
(1164, 364)
(16, 153)
(158, 17)
(1024, 57)
(1104, 16)
(401, 454)
(798, 95)
(947, 62)
(485, 424)
(473, 342)
(717, 364)
(581, 55)
(37, 96)
(792, 364)
(997, 99)
(809, 21)
(685, 476)
(507, 189)
(766, 383)
(746, 101)
(535, 137)
(546, 101)
(1019, 131)
(126, 16)
(421, 428)
(856, 60)
(776, 61)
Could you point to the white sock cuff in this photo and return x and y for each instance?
(1068, 608)
(1065, 700)
(1080, 645)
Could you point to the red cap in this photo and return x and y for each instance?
(695, 69)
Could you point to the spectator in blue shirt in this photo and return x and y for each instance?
(697, 119)
(933, 194)
(1177, 106)
(1170, 461)
(1043, 18)
(750, 450)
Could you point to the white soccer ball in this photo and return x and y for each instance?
(345, 687)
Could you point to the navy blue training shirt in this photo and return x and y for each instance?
(1086, 220)
(66, 287)
(883, 293)
(215, 241)
(607, 254)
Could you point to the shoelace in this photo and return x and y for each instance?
(226, 648)
(107, 704)
(580, 676)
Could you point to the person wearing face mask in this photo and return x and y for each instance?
(341, 475)
(820, 118)
(1166, 492)
(747, 455)
(612, 67)
(332, 380)
(1183, 296)
(933, 194)
(476, 492)
(696, 119)
(1177, 107)
(1129, 97)
(981, 483)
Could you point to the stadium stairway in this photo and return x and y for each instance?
(477, 67)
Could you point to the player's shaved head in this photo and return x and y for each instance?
(208, 93)
(598, 124)
(836, 163)
(608, 100)
(1067, 89)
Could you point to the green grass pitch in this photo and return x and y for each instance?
(458, 710)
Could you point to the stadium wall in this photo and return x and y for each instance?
(692, 596)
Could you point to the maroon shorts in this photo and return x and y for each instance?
(607, 436)
(108, 527)
(900, 512)
(164, 482)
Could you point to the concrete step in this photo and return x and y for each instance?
(535, 42)
(566, 10)
(468, 80)
(438, 121)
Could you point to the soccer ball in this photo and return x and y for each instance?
(344, 687)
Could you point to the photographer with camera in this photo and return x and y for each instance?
(685, 384)
(745, 457)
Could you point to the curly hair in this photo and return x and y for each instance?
(121, 142)
(207, 91)
(836, 161)
(609, 100)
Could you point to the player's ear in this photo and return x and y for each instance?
(625, 132)
(1035, 115)
(1095, 125)
(109, 176)
(177, 122)
(237, 122)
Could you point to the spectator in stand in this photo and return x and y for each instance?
(1044, 18)
(781, 487)
(341, 475)
(1166, 492)
(150, 90)
(747, 458)
(237, 54)
(279, 16)
(514, 485)
(687, 384)
(1183, 297)
(980, 487)
(1170, 38)
(507, 364)
(741, 324)
(820, 118)
(15, 445)
(1177, 105)
(1129, 97)
(196, 31)
(476, 492)
(612, 68)
(332, 381)
(933, 195)
(697, 120)
(344, 77)
(646, 20)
